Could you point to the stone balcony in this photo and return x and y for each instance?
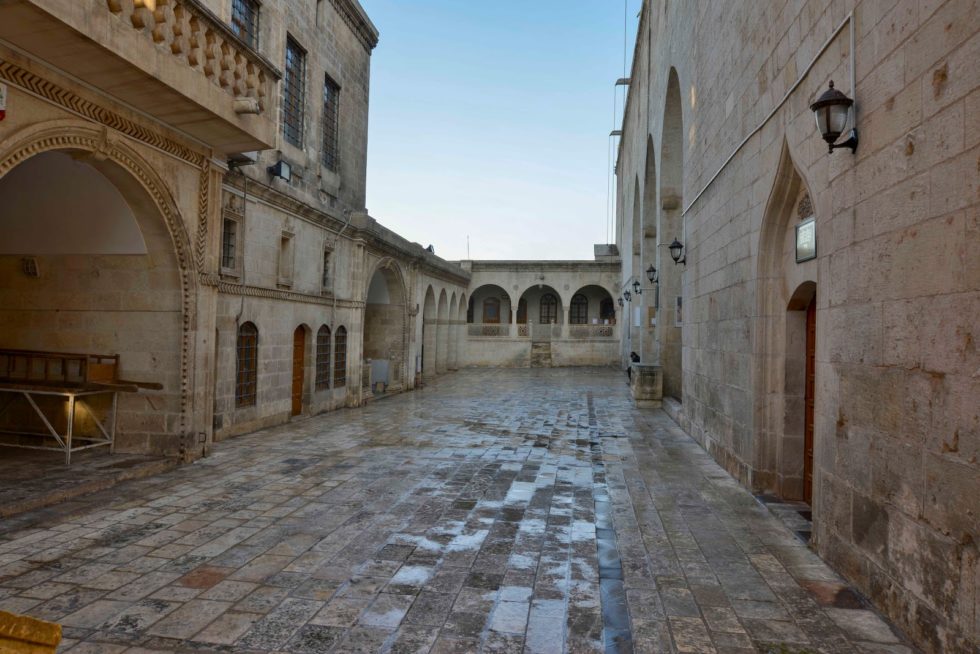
(171, 59)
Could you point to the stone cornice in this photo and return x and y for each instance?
(232, 288)
(555, 266)
(356, 18)
(57, 95)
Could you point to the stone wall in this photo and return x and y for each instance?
(897, 422)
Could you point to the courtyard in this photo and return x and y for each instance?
(529, 510)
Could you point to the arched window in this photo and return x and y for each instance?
(247, 367)
(340, 358)
(491, 310)
(323, 358)
(549, 309)
(607, 311)
(579, 314)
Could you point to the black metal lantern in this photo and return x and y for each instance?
(636, 288)
(676, 248)
(831, 111)
(652, 274)
(627, 296)
(621, 303)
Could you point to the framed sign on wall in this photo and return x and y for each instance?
(806, 240)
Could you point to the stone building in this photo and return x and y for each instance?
(844, 376)
(183, 185)
(543, 313)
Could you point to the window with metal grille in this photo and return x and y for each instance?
(293, 92)
(579, 310)
(549, 309)
(340, 358)
(246, 375)
(323, 358)
(325, 275)
(245, 21)
(229, 234)
(331, 125)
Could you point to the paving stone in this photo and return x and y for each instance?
(505, 510)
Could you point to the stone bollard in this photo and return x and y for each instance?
(647, 385)
(20, 634)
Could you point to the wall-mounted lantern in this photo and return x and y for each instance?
(652, 274)
(621, 303)
(281, 170)
(831, 111)
(628, 296)
(676, 251)
(636, 287)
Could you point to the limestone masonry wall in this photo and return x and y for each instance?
(896, 279)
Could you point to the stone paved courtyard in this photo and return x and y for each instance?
(495, 511)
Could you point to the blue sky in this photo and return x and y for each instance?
(492, 119)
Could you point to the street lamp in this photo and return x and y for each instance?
(636, 287)
(676, 249)
(831, 110)
(652, 274)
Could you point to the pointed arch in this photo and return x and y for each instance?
(670, 226)
(786, 295)
(429, 327)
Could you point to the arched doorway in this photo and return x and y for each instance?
(787, 403)
(299, 369)
(100, 267)
(799, 389)
(385, 337)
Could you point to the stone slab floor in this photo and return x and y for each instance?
(495, 511)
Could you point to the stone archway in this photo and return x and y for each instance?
(442, 333)
(787, 292)
(139, 304)
(669, 332)
(452, 346)
(429, 334)
(385, 344)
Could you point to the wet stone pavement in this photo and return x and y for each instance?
(494, 511)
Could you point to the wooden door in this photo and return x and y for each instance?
(299, 352)
(811, 348)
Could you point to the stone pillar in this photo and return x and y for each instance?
(647, 385)
(453, 329)
(442, 345)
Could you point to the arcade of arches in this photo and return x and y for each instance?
(166, 283)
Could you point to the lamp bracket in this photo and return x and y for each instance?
(851, 142)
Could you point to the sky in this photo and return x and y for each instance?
(491, 120)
